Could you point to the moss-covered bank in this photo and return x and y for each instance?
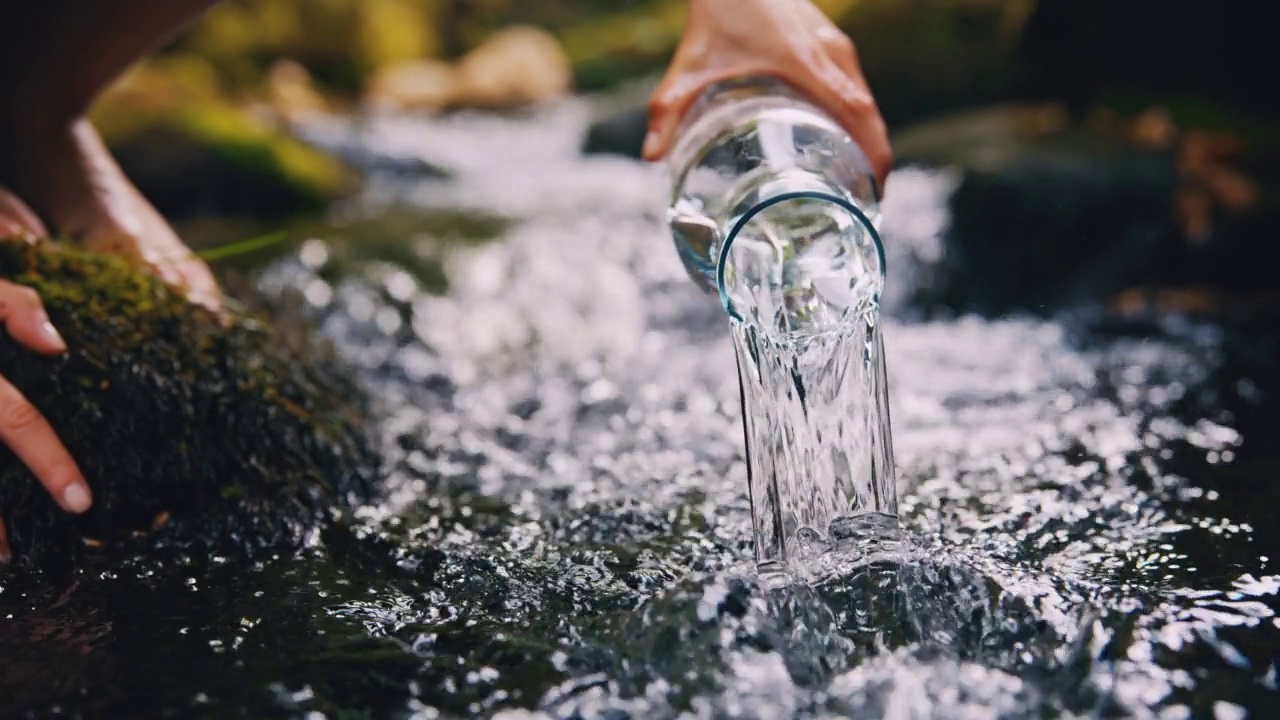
(222, 433)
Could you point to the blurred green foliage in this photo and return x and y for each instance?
(218, 87)
(942, 47)
(189, 144)
(342, 41)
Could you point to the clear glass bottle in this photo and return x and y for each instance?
(774, 207)
(774, 210)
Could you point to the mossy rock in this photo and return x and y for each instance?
(192, 150)
(229, 434)
(213, 159)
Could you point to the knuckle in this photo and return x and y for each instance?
(659, 103)
(838, 43)
(26, 296)
(123, 238)
(850, 49)
(860, 106)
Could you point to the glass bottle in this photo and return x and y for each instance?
(773, 209)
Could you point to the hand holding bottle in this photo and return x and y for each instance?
(789, 40)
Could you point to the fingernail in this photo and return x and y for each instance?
(76, 498)
(650, 143)
(51, 333)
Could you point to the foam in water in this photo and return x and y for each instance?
(568, 496)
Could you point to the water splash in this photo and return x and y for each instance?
(1084, 516)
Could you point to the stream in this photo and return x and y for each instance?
(1088, 505)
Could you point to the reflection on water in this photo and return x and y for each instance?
(567, 520)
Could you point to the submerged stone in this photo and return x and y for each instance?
(227, 434)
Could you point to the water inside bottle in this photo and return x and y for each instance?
(805, 329)
(800, 279)
(817, 429)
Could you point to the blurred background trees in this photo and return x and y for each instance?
(1088, 89)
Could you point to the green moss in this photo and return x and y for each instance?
(192, 149)
(211, 156)
(240, 438)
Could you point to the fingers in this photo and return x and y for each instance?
(170, 259)
(192, 277)
(6, 554)
(680, 90)
(202, 289)
(848, 101)
(857, 113)
(800, 47)
(16, 219)
(24, 318)
(838, 82)
(25, 431)
(22, 428)
(88, 196)
(163, 256)
(873, 138)
(667, 105)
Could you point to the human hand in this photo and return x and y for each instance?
(789, 40)
(112, 216)
(64, 170)
(22, 428)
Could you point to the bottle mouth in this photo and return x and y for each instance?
(724, 261)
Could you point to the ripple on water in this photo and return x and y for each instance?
(1046, 566)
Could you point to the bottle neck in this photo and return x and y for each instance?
(721, 107)
(773, 191)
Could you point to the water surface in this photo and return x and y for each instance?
(1087, 505)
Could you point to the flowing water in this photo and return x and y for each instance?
(818, 447)
(1087, 507)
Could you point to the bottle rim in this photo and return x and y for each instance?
(760, 207)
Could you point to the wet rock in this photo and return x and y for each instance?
(514, 67)
(225, 435)
(1053, 212)
(414, 85)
